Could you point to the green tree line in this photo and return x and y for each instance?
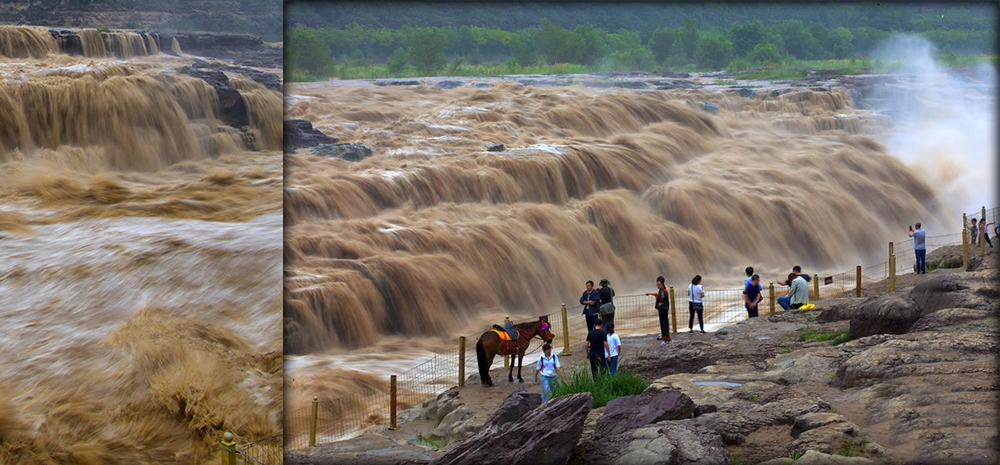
(316, 52)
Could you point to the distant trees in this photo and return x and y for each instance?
(307, 52)
(746, 36)
(709, 37)
(764, 54)
(713, 50)
(427, 53)
(661, 41)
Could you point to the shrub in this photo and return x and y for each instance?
(397, 61)
(604, 388)
(713, 50)
(765, 54)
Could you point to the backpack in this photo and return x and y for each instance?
(607, 309)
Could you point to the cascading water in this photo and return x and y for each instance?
(130, 214)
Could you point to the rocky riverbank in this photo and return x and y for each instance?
(915, 382)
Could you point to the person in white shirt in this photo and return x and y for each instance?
(548, 370)
(695, 294)
(614, 345)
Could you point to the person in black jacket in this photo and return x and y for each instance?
(662, 308)
(607, 307)
(591, 301)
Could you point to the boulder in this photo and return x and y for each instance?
(457, 425)
(492, 147)
(545, 435)
(668, 442)
(747, 93)
(268, 80)
(437, 408)
(884, 315)
(232, 107)
(812, 457)
(840, 309)
(513, 407)
(944, 291)
(945, 257)
(348, 151)
(300, 133)
(397, 83)
(778, 461)
(449, 84)
(712, 107)
(949, 317)
(630, 412)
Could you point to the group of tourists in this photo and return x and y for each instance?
(979, 231)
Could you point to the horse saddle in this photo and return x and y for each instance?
(505, 333)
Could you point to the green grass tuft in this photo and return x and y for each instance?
(604, 388)
(820, 335)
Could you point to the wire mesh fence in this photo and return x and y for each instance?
(634, 315)
(267, 451)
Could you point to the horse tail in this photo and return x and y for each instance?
(484, 366)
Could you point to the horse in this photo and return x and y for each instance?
(490, 345)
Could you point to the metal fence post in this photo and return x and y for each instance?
(772, 298)
(965, 241)
(506, 358)
(392, 402)
(673, 311)
(313, 419)
(857, 285)
(565, 320)
(228, 449)
(983, 232)
(461, 361)
(815, 287)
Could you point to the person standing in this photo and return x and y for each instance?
(752, 295)
(920, 248)
(986, 231)
(662, 308)
(746, 282)
(797, 271)
(607, 306)
(548, 370)
(591, 304)
(614, 349)
(597, 346)
(974, 233)
(798, 293)
(695, 305)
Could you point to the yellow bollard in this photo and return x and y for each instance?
(773, 299)
(892, 273)
(565, 320)
(673, 311)
(857, 285)
(506, 358)
(815, 287)
(461, 361)
(228, 449)
(313, 420)
(965, 242)
(392, 402)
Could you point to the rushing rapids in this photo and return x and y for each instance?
(594, 183)
(131, 214)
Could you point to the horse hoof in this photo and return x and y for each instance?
(520, 380)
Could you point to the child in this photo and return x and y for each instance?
(548, 369)
(614, 346)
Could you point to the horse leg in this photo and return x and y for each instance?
(520, 362)
(510, 375)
